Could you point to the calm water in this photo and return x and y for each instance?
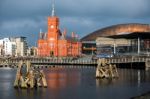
(68, 83)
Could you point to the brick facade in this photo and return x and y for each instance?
(56, 43)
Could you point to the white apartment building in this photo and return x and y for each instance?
(9, 47)
(21, 46)
(13, 46)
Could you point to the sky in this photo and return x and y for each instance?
(27, 17)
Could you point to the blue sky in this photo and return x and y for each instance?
(27, 17)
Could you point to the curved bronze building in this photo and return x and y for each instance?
(119, 29)
(133, 37)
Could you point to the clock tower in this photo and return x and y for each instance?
(54, 42)
(53, 33)
(53, 27)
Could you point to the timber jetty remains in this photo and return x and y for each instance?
(26, 76)
(106, 70)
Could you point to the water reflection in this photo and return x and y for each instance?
(126, 76)
(38, 93)
(105, 82)
(68, 83)
(139, 78)
(59, 78)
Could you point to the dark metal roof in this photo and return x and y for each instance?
(119, 30)
(134, 35)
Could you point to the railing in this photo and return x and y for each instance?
(48, 61)
(128, 60)
(45, 61)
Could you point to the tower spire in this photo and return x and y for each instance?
(40, 30)
(53, 8)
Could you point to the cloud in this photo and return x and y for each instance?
(126, 8)
(30, 8)
(26, 17)
(22, 27)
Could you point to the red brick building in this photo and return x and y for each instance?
(57, 43)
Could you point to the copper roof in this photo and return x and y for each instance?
(119, 29)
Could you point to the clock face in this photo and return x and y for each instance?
(52, 26)
(51, 39)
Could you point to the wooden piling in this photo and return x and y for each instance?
(43, 79)
(31, 79)
(28, 64)
(147, 65)
(28, 78)
(106, 70)
(18, 75)
(23, 84)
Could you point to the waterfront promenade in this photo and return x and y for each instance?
(82, 61)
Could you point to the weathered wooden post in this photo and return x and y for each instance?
(18, 75)
(43, 78)
(39, 80)
(106, 70)
(28, 76)
(23, 84)
(147, 65)
(28, 64)
(32, 82)
(98, 67)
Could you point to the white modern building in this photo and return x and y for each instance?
(13, 46)
(9, 47)
(21, 46)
